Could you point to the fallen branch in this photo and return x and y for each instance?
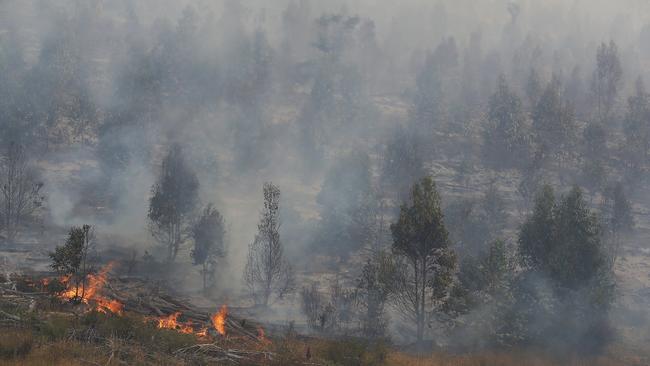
(10, 316)
(220, 354)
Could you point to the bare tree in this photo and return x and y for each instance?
(312, 305)
(21, 191)
(173, 199)
(267, 273)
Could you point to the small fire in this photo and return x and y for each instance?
(202, 333)
(261, 336)
(91, 291)
(219, 320)
(171, 322)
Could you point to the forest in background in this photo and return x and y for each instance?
(464, 177)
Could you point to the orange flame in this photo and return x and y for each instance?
(90, 292)
(171, 322)
(202, 333)
(219, 320)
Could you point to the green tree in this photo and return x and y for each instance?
(567, 279)
(374, 288)
(607, 79)
(554, 122)
(482, 297)
(617, 216)
(72, 258)
(173, 199)
(347, 206)
(420, 241)
(637, 127)
(563, 240)
(533, 87)
(505, 138)
(208, 234)
(402, 162)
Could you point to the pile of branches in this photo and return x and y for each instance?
(215, 352)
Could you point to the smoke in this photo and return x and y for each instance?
(283, 91)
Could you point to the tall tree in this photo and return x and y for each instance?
(173, 199)
(566, 276)
(267, 273)
(346, 208)
(20, 190)
(402, 162)
(505, 138)
(208, 234)
(554, 122)
(617, 216)
(563, 240)
(533, 88)
(607, 78)
(637, 127)
(375, 285)
(420, 240)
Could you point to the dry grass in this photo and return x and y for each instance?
(500, 359)
(21, 347)
(76, 353)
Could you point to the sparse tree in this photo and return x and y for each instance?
(595, 141)
(554, 122)
(482, 295)
(420, 241)
(402, 163)
(173, 199)
(606, 81)
(563, 240)
(375, 285)
(20, 190)
(533, 88)
(566, 276)
(208, 234)
(494, 207)
(617, 216)
(637, 127)
(347, 207)
(505, 139)
(267, 272)
(311, 305)
(73, 258)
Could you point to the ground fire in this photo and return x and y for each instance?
(90, 291)
(219, 320)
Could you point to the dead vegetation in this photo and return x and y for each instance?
(40, 328)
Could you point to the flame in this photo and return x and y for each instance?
(171, 322)
(202, 333)
(219, 320)
(262, 337)
(91, 292)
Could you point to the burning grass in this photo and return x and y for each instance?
(57, 333)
